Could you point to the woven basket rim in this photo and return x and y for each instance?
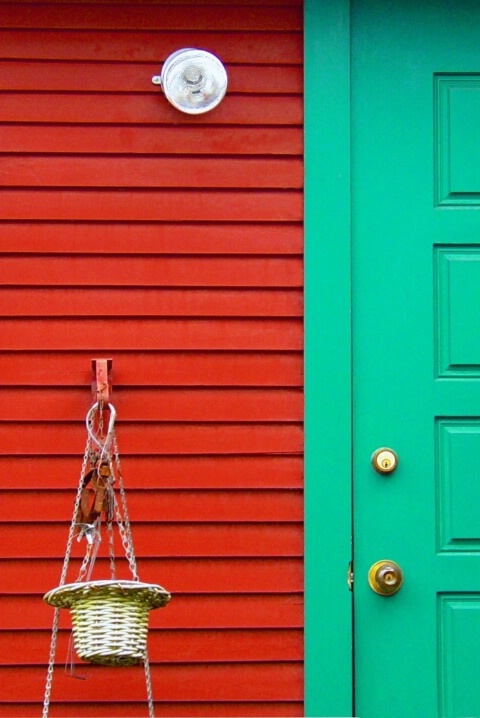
(152, 595)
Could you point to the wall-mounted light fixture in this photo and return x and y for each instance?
(194, 81)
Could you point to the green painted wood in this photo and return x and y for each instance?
(416, 353)
(328, 647)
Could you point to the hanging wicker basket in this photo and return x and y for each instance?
(110, 618)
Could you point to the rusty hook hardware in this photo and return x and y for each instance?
(102, 380)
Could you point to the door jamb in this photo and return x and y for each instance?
(328, 365)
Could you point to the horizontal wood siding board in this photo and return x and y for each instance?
(157, 368)
(169, 17)
(158, 238)
(167, 506)
(177, 646)
(181, 682)
(149, 109)
(148, 17)
(239, 540)
(176, 439)
(131, 710)
(153, 271)
(157, 205)
(152, 141)
(29, 612)
(52, 301)
(54, 471)
(182, 575)
(267, 48)
(146, 334)
(234, 611)
(65, 76)
(186, 405)
(147, 172)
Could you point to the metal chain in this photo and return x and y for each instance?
(51, 663)
(71, 534)
(124, 526)
(91, 454)
(127, 541)
(111, 551)
(109, 516)
(148, 681)
(91, 552)
(83, 568)
(100, 419)
(56, 617)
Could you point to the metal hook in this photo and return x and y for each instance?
(111, 425)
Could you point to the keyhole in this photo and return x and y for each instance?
(384, 460)
(385, 577)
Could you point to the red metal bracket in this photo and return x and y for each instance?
(102, 380)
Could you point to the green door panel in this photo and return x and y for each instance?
(393, 355)
(416, 353)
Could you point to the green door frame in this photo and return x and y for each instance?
(328, 380)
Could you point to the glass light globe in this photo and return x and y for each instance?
(194, 81)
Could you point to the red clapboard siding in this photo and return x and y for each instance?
(148, 333)
(131, 710)
(189, 575)
(56, 471)
(151, 271)
(283, 48)
(143, 108)
(198, 611)
(165, 506)
(247, 141)
(169, 205)
(177, 646)
(43, 15)
(166, 438)
(200, 405)
(172, 243)
(136, 77)
(49, 301)
(197, 538)
(200, 239)
(154, 368)
(150, 172)
(269, 681)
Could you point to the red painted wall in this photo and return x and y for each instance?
(173, 244)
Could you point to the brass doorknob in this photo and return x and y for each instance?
(385, 578)
(384, 460)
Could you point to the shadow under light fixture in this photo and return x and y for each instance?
(194, 81)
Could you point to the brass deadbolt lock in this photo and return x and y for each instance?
(384, 460)
(385, 578)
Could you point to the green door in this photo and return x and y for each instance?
(415, 128)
